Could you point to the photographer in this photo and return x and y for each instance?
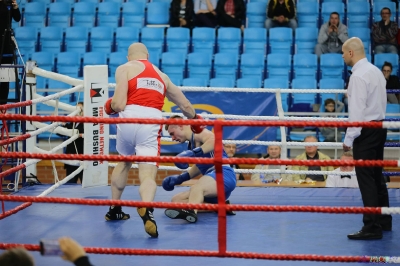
(8, 10)
(331, 36)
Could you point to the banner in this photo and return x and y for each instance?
(230, 103)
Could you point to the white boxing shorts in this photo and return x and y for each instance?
(139, 139)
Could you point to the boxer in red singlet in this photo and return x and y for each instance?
(140, 91)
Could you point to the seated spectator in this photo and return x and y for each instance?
(344, 180)
(311, 153)
(231, 13)
(181, 13)
(72, 252)
(331, 36)
(281, 13)
(384, 34)
(273, 152)
(230, 150)
(330, 132)
(392, 82)
(205, 13)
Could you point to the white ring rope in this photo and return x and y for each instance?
(59, 77)
(248, 117)
(253, 171)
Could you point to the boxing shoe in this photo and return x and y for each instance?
(150, 225)
(116, 213)
(362, 235)
(188, 215)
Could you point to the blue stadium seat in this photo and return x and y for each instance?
(364, 34)
(71, 2)
(203, 40)
(46, 2)
(391, 109)
(133, 14)
(280, 40)
(35, 15)
(68, 63)
(199, 65)
(332, 66)
(116, 59)
(255, 41)
(255, 14)
(305, 65)
(279, 66)
(305, 40)
(125, 36)
(248, 83)
(55, 84)
(195, 82)
(51, 39)
(96, 2)
(379, 59)
(41, 82)
(94, 58)
(229, 40)
(173, 64)
(27, 39)
(222, 83)
(304, 83)
(155, 59)
(358, 14)
(329, 84)
(157, 13)
(308, 14)
(279, 83)
(178, 39)
(108, 14)
(59, 14)
(252, 66)
(44, 60)
(76, 39)
(226, 65)
(377, 7)
(328, 7)
(153, 38)
(84, 14)
(101, 39)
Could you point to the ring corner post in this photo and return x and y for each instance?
(96, 136)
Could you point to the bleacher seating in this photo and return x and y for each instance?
(358, 14)
(377, 7)
(195, 82)
(133, 14)
(379, 59)
(248, 83)
(59, 14)
(305, 65)
(178, 39)
(157, 13)
(226, 65)
(173, 64)
(222, 83)
(252, 66)
(51, 39)
(124, 37)
(307, 14)
(35, 14)
(116, 59)
(328, 7)
(229, 40)
(153, 38)
(332, 66)
(108, 14)
(255, 14)
(101, 39)
(255, 41)
(305, 40)
(68, 63)
(44, 60)
(280, 40)
(84, 14)
(199, 66)
(279, 66)
(203, 40)
(27, 39)
(76, 39)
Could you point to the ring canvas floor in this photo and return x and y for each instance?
(264, 232)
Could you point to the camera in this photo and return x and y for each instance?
(50, 247)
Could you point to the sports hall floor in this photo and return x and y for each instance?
(264, 232)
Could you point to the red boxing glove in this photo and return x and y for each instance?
(197, 129)
(107, 107)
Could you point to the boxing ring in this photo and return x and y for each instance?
(274, 225)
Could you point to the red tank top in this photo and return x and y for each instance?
(147, 88)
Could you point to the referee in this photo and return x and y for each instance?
(367, 102)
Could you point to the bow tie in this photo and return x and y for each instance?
(345, 176)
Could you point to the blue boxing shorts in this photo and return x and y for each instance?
(229, 183)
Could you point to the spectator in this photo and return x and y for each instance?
(392, 82)
(205, 13)
(75, 147)
(230, 150)
(281, 13)
(273, 152)
(331, 36)
(8, 48)
(181, 13)
(384, 34)
(311, 153)
(231, 13)
(332, 134)
(344, 180)
(72, 252)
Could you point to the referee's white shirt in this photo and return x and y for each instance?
(367, 97)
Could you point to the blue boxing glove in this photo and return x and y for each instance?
(197, 152)
(171, 181)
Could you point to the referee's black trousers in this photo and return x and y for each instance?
(369, 146)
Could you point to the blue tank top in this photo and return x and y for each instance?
(205, 168)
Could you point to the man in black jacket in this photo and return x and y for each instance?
(8, 10)
(231, 13)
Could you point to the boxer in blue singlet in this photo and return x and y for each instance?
(205, 190)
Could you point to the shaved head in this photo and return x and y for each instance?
(137, 51)
(353, 51)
